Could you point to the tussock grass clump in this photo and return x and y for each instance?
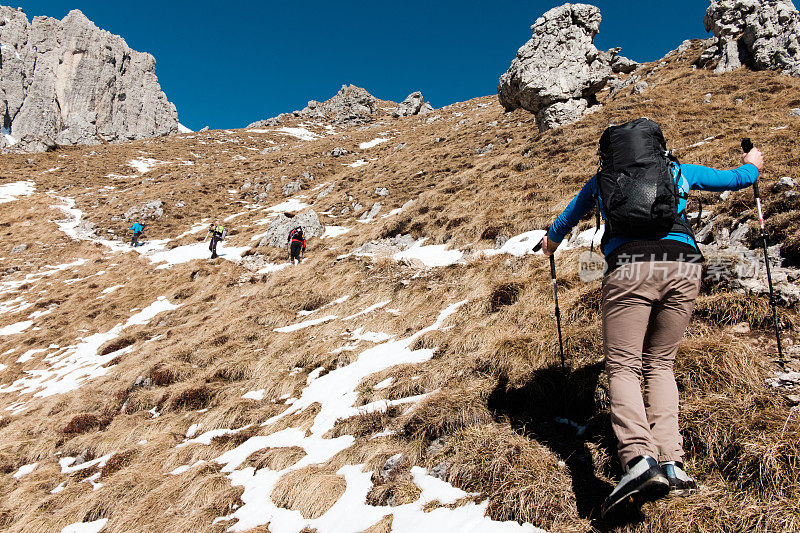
(521, 478)
(161, 376)
(311, 490)
(714, 505)
(396, 489)
(81, 424)
(193, 398)
(117, 344)
(118, 461)
(384, 525)
(449, 411)
(504, 295)
(728, 308)
(751, 439)
(276, 458)
(707, 365)
(364, 424)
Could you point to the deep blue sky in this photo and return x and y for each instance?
(226, 64)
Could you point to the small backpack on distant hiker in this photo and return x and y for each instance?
(639, 193)
(297, 245)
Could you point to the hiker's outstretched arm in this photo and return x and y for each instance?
(710, 179)
(577, 208)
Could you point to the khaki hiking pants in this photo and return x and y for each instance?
(646, 308)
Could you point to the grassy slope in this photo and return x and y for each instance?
(492, 420)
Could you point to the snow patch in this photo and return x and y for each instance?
(10, 191)
(435, 255)
(372, 143)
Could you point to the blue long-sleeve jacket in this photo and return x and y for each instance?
(692, 177)
(137, 228)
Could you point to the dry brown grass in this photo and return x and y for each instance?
(499, 388)
(521, 478)
(311, 490)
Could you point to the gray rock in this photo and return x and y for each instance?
(291, 188)
(440, 470)
(204, 129)
(19, 248)
(760, 34)
(707, 99)
(399, 147)
(339, 151)
(640, 87)
(795, 112)
(278, 230)
(254, 262)
(351, 105)
(270, 149)
(784, 184)
(372, 213)
(485, 149)
(149, 210)
(381, 191)
(326, 191)
(414, 104)
(738, 235)
(392, 463)
(620, 64)
(68, 82)
(559, 66)
(385, 247)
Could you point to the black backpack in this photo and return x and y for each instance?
(639, 193)
(297, 233)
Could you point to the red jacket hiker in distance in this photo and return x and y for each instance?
(297, 244)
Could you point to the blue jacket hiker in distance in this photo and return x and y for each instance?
(137, 230)
(648, 296)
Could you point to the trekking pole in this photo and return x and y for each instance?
(558, 310)
(747, 145)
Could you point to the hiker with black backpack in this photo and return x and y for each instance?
(218, 232)
(297, 245)
(654, 269)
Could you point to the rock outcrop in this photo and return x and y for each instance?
(351, 105)
(278, 230)
(414, 104)
(760, 34)
(557, 74)
(67, 82)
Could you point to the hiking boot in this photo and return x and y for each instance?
(644, 481)
(680, 484)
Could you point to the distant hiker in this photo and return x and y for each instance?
(297, 245)
(137, 230)
(649, 291)
(218, 233)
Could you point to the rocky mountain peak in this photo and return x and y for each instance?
(66, 82)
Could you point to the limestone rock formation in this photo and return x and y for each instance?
(414, 104)
(278, 230)
(351, 105)
(760, 34)
(68, 82)
(558, 72)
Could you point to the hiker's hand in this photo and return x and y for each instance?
(754, 157)
(549, 247)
